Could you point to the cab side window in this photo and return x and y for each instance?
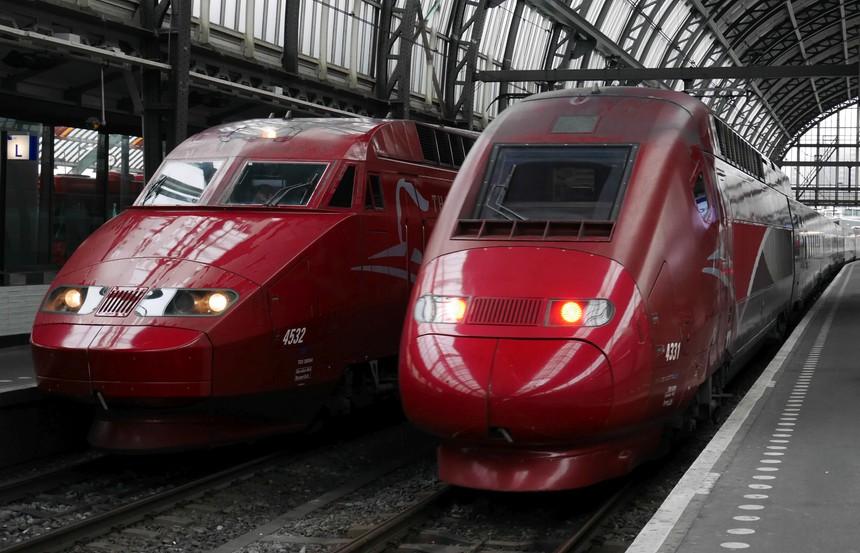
(342, 196)
(700, 195)
(373, 195)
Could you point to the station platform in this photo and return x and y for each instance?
(17, 378)
(783, 472)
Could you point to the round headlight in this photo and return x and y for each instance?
(72, 298)
(218, 302)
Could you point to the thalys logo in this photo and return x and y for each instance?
(390, 260)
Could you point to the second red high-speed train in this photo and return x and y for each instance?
(260, 279)
(606, 259)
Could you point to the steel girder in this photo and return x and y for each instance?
(395, 45)
(510, 45)
(461, 59)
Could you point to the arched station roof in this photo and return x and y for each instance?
(769, 68)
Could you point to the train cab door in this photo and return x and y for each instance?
(714, 290)
(723, 268)
(339, 307)
(389, 227)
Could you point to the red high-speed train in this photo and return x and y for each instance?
(260, 279)
(605, 261)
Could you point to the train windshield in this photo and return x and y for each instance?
(271, 183)
(180, 183)
(557, 182)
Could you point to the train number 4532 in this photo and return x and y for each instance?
(295, 336)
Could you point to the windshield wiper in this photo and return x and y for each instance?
(153, 190)
(502, 209)
(505, 212)
(284, 190)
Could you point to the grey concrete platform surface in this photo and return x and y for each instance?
(783, 473)
(17, 379)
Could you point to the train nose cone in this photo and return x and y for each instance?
(509, 389)
(532, 389)
(512, 369)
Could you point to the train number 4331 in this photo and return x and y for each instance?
(673, 351)
(295, 336)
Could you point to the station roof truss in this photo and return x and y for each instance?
(770, 69)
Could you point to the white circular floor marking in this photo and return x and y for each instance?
(782, 433)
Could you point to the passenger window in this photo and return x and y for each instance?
(700, 194)
(373, 195)
(342, 196)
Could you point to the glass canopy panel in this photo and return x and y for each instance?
(532, 41)
(676, 20)
(700, 53)
(438, 13)
(496, 28)
(616, 19)
(594, 11)
(338, 32)
(268, 22)
(658, 40)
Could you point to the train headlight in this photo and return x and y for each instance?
(75, 300)
(218, 302)
(186, 302)
(440, 309)
(575, 312)
(193, 303)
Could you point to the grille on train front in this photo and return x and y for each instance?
(120, 300)
(506, 311)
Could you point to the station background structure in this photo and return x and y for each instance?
(94, 93)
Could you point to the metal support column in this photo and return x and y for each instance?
(180, 61)
(290, 60)
(461, 59)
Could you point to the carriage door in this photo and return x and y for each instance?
(387, 222)
(727, 320)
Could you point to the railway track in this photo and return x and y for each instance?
(92, 524)
(424, 525)
(81, 506)
(393, 534)
(377, 493)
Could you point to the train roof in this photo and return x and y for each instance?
(311, 138)
(613, 114)
(682, 99)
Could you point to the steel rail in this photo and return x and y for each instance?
(65, 537)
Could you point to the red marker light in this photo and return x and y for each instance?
(579, 312)
(571, 312)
